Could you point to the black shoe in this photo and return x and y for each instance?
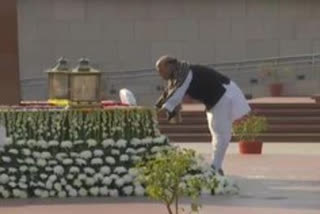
(219, 172)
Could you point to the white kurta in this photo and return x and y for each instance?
(240, 106)
(231, 106)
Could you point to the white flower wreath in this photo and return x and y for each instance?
(120, 170)
(66, 144)
(53, 143)
(110, 160)
(114, 193)
(4, 178)
(105, 170)
(96, 161)
(108, 143)
(104, 191)
(121, 143)
(107, 181)
(92, 142)
(135, 142)
(124, 158)
(86, 154)
(59, 170)
(98, 153)
(128, 190)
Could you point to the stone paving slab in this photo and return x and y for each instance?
(284, 180)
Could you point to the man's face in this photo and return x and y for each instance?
(164, 71)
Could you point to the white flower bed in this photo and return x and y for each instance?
(73, 169)
(81, 169)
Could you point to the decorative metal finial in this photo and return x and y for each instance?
(62, 65)
(84, 65)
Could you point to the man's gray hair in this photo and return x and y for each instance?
(166, 60)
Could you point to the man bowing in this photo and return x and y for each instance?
(223, 99)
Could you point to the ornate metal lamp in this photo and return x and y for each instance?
(85, 87)
(59, 80)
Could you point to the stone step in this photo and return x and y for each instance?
(285, 106)
(271, 120)
(294, 120)
(262, 112)
(290, 120)
(288, 112)
(283, 137)
(186, 114)
(184, 129)
(287, 128)
(187, 120)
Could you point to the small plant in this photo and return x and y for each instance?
(250, 128)
(167, 180)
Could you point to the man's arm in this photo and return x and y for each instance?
(170, 100)
(162, 99)
(176, 96)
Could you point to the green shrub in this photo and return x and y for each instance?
(167, 178)
(250, 128)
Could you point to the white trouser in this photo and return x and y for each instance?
(220, 126)
(230, 107)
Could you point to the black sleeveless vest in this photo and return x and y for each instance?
(207, 85)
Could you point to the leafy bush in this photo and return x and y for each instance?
(250, 128)
(173, 174)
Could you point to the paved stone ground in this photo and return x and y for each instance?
(284, 180)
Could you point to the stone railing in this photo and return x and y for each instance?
(301, 77)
